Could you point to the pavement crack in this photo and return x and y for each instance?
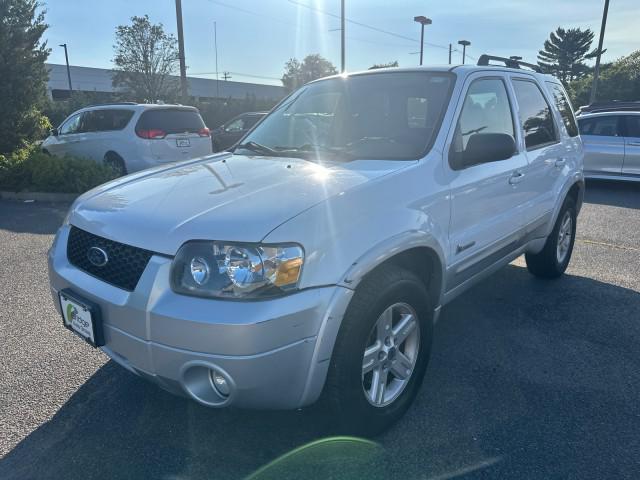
(605, 244)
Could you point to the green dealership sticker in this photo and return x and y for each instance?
(70, 310)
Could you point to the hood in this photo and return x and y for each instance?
(223, 197)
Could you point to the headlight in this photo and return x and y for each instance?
(228, 270)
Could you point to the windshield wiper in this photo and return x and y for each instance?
(258, 148)
(310, 148)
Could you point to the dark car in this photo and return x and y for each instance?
(228, 134)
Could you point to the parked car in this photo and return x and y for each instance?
(131, 137)
(612, 145)
(312, 261)
(228, 134)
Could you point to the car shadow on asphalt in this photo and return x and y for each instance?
(42, 218)
(616, 194)
(528, 378)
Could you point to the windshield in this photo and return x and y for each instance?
(390, 116)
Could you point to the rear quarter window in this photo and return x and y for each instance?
(566, 112)
(171, 120)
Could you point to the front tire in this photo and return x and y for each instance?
(381, 353)
(554, 258)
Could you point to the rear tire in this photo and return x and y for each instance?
(354, 403)
(116, 163)
(554, 258)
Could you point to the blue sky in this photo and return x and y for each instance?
(256, 38)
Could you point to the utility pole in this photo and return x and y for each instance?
(226, 76)
(215, 45)
(450, 49)
(422, 20)
(66, 57)
(342, 22)
(465, 44)
(183, 68)
(596, 70)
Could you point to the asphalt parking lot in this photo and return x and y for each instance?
(528, 379)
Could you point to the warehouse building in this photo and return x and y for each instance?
(88, 79)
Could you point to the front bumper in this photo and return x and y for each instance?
(275, 353)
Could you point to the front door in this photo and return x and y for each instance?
(486, 206)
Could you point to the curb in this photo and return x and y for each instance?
(39, 196)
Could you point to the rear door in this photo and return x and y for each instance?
(604, 144)
(486, 206)
(178, 133)
(546, 155)
(631, 165)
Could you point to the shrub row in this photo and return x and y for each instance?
(29, 169)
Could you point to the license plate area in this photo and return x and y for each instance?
(82, 317)
(183, 142)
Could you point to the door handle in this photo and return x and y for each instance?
(464, 246)
(560, 162)
(516, 177)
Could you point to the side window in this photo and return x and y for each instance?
(250, 121)
(105, 120)
(535, 115)
(235, 126)
(633, 126)
(607, 126)
(71, 126)
(486, 109)
(562, 102)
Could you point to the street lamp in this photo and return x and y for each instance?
(66, 57)
(465, 44)
(422, 21)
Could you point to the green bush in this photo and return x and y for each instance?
(28, 169)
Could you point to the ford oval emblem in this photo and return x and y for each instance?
(97, 257)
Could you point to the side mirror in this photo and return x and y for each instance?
(488, 147)
(54, 132)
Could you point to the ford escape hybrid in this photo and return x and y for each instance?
(311, 262)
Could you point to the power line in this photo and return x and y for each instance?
(365, 25)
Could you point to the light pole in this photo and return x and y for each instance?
(422, 20)
(596, 70)
(465, 44)
(183, 68)
(66, 57)
(342, 54)
(215, 45)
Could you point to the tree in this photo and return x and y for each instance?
(24, 76)
(298, 73)
(384, 65)
(619, 80)
(565, 52)
(145, 57)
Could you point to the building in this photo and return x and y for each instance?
(88, 79)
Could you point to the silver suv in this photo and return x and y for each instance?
(312, 261)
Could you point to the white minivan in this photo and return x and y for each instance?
(130, 136)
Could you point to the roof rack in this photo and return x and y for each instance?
(513, 62)
(610, 106)
(110, 103)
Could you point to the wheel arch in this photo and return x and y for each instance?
(415, 251)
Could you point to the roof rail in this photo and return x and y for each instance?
(512, 62)
(110, 103)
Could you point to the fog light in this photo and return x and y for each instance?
(220, 383)
(199, 270)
